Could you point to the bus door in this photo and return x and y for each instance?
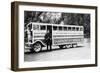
(49, 27)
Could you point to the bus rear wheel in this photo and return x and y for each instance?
(61, 46)
(37, 47)
(74, 45)
(68, 46)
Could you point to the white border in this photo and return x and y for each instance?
(33, 64)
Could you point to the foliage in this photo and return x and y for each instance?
(58, 18)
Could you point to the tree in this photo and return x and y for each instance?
(58, 17)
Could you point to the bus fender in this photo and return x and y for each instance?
(38, 41)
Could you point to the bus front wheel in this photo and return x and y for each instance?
(37, 47)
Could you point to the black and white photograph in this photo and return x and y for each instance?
(51, 36)
(56, 36)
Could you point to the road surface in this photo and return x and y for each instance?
(78, 53)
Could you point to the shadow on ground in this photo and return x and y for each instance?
(52, 50)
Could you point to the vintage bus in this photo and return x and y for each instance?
(64, 36)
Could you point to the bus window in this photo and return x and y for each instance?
(42, 27)
(73, 28)
(81, 29)
(35, 27)
(60, 28)
(54, 27)
(77, 29)
(69, 28)
(65, 28)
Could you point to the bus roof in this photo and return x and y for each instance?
(37, 23)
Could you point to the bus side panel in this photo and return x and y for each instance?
(69, 37)
(39, 36)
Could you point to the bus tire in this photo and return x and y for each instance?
(74, 45)
(61, 46)
(68, 46)
(37, 47)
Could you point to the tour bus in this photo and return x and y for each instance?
(64, 36)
